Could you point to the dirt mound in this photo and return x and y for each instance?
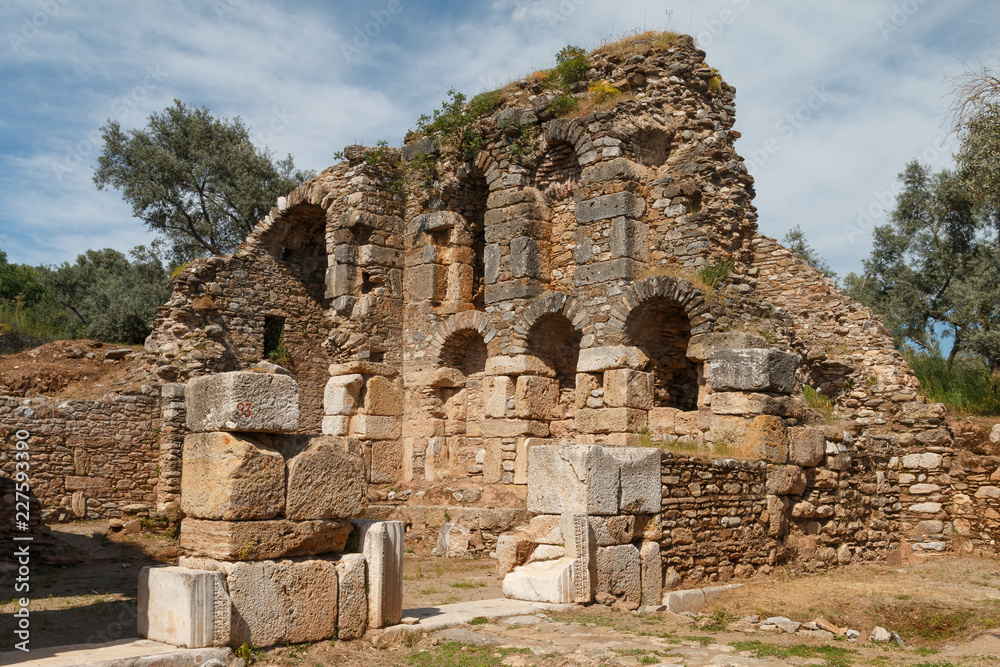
(79, 369)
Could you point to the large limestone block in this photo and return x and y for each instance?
(383, 396)
(619, 572)
(535, 397)
(256, 540)
(808, 446)
(513, 428)
(600, 359)
(639, 472)
(612, 205)
(581, 546)
(544, 529)
(751, 403)
(521, 364)
(543, 581)
(701, 346)
(524, 445)
(753, 370)
(610, 420)
(496, 392)
(375, 427)
(767, 439)
(325, 483)
(189, 608)
(785, 480)
(242, 401)
(627, 388)
(382, 543)
(352, 597)
(652, 573)
(231, 477)
(283, 601)
(453, 541)
(341, 394)
(336, 425)
(609, 531)
(572, 479)
(385, 462)
(512, 551)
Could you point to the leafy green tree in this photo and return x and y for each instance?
(17, 280)
(196, 179)
(795, 240)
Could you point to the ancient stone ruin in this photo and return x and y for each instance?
(578, 291)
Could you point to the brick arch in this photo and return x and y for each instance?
(454, 333)
(571, 132)
(550, 303)
(685, 295)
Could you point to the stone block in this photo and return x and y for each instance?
(619, 572)
(512, 551)
(427, 282)
(453, 541)
(629, 239)
(927, 461)
(524, 445)
(785, 480)
(491, 263)
(613, 205)
(661, 421)
(525, 261)
(325, 483)
(639, 472)
(189, 608)
(749, 404)
(385, 461)
(652, 573)
(753, 370)
(283, 601)
(767, 439)
(808, 446)
(383, 396)
(544, 529)
(493, 461)
(581, 546)
(535, 397)
(375, 427)
(242, 401)
(340, 281)
(701, 346)
(648, 527)
(520, 364)
(513, 428)
(257, 540)
(600, 359)
(627, 388)
(610, 420)
(545, 581)
(383, 549)
(496, 391)
(622, 268)
(340, 397)
(231, 477)
(352, 597)
(336, 425)
(609, 531)
(572, 479)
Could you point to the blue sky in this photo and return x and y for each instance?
(832, 98)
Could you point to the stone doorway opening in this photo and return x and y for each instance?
(661, 328)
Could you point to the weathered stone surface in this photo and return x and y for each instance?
(513, 428)
(786, 480)
(581, 546)
(386, 461)
(375, 427)
(652, 573)
(701, 346)
(808, 446)
(257, 540)
(325, 483)
(927, 461)
(600, 359)
(749, 404)
(496, 391)
(753, 370)
(524, 445)
(512, 551)
(453, 541)
(609, 531)
(352, 597)
(610, 206)
(639, 474)
(283, 601)
(544, 581)
(985, 492)
(572, 478)
(383, 549)
(336, 425)
(242, 401)
(767, 439)
(383, 396)
(619, 571)
(547, 552)
(341, 394)
(627, 388)
(544, 529)
(521, 364)
(231, 477)
(610, 420)
(535, 397)
(189, 608)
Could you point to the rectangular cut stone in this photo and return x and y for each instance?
(662, 420)
(519, 364)
(242, 401)
(375, 427)
(385, 461)
(428, 282)
(340, 397)
(525, 261)
(610, 420)
(283, 601)
(572, 478)
(383, 549)
(610, 206)
(627, 388)
(535, 397)
(608, 531)
(619, 572)
(622, 268)
(512, 428)
(753, 370)
(640, 479)
(496, 391)
(808, 446)
(324, 482)
(744, 403)
(352, 597)
(545, 581)
(493, 461)
(600, 359)
(652, 573)
(701, 346)
(628, 239)
(383, 396)
(336, 425)
(524, 445)
(231, 477)
(189, 608)
(256, 540)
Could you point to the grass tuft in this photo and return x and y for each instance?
(967, 386)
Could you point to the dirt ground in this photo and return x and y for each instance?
(64, 369)
(945, 609)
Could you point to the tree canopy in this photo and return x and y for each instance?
(196, 179)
